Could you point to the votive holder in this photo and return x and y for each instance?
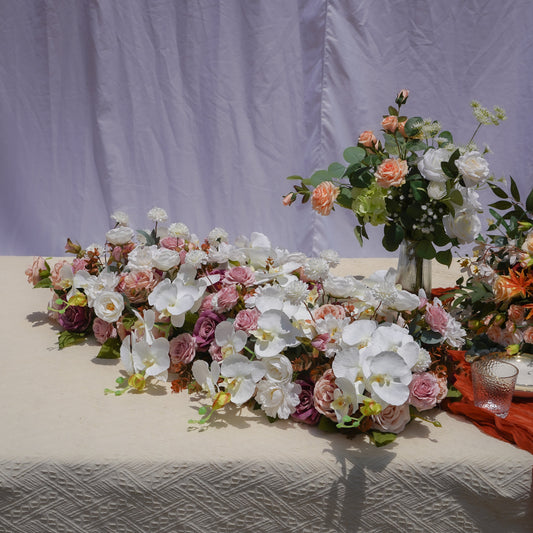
(493, 382)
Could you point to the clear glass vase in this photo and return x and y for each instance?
(414, 273)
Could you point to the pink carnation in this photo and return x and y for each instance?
(437, 318)
(182, 349)
(34, 269)
(103, 330)
(320, 342)
(424, 390)
(241, 274)
(78, 264)
(392, 419)
(215, 351)
(246, 320)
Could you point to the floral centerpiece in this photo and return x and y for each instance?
(416, 183)
(495, 295)
(247, 323)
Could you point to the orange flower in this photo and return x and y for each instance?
(515, 284)
(368, 139)
(324, 197)
(391, 173)
(390, 124)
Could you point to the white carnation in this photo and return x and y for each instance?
(157, 214)
(423, 362)
(217, 235)
(331, 256)
(296, 291)
(196, 258)
(316, 269)
(179, 230)
(278, 399)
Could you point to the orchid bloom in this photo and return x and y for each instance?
(274, 333)
(241, 375)
(139, 356)
(230, 341)
(205, 376)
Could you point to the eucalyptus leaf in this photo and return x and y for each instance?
(45, 283)
(318, 177)
(393, 235)
(354, 154)
(413, 126)
(336, 170)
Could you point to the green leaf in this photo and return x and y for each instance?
(393, 111)
(425, 249)
(354, 154)
(430, 337)
(336, 170)
(499, 192)
(456, 197)
(358, 231)
(501, 205)
(413, 126)
(110, 349)
(69, 338)
(345, 198)
(381, 439)
(318, 177)
(445, 135)
(444, 257)
(514, 190)
(415, 145)
(45, 283)
(150, 241)
(393, 235)
(361, 179)
(529, 202)
(453, 393)
(327, 425)
(295, 178)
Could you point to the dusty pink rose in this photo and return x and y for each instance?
(78, 264)
(337, 311)
(225, 299)
(246, 320)
(391, 173)
(103, 330)
(320, 342)
(436, 318)
(137, 286)
(169, 242)
(57, 275)
(323, 394)
(305, 411)
(424, 391)
(324, 197)
(182, 349)
(32, 272)
(215, 351)
(516, 313)
(495, 334)
(204, 329)
(528, 335)
(390, 124)
(241, 275)
(207, 303)
(392, 419)
(368, 139)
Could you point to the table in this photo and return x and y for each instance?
(73, 459)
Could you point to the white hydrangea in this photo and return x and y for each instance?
(157, 214)
(120, 218)
(179, 230)
(196, 258)
(316, 269)
(331, 256)
(296, 292)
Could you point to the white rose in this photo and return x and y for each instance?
(473, 168)
(141, 258)
(164, 259)
(109, 306)
(465, 226)
(278, 399)
(279, 369)
(430, 165)
(436, 190)
(120, 235)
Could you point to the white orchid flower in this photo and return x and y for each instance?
(274, 333)
(359, 333)
(334, 327)
(205, 376)
(345, 398)
(145, 324)
(230, 341)
(241, 376)
(347, 365)
(94, 285)
(138, 356)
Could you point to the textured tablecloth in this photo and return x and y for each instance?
(73, 459)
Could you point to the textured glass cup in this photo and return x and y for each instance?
(494, 382)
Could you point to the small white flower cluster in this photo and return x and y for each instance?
(484, 116)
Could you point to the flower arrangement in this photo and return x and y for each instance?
(247, 323)
(416, 183)
(496, 298)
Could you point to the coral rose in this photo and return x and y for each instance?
(516, 313)
(390, 124)
(324, 197)
(391, 173)
(336, 311)
(368, 139)
(323, 394)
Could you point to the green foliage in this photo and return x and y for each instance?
(110, 349)
(382, 439)
(69, 338)
(354, 154)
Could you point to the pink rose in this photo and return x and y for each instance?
(320, 342)
(169, 242)
(207, 303)
(337, 311)
(225, 299)
(495, 334)
(79, 264)
(56, 275)
(323, 394)
(34, 270)
(215, 351)
(424, 391)
(368, 139)
(204, 329)
(390, 124)
(182, 349)
(103, 330)
(324, 197)
(528, 335)
(437, 318)
(391, 173)
(392, 419)
(516, 313)
(241, 274)
(137, 286)
(246, 320)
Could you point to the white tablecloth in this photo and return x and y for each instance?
(73, 459)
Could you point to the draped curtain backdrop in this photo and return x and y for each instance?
(203, 107)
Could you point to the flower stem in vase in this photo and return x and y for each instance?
(414, 273)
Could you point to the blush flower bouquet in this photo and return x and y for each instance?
(496, 293)
(416, 183)
(247, 323)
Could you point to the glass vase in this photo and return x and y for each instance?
(414, 273)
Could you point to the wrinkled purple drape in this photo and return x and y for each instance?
(203, 107)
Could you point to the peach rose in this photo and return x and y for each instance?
(501, 290)
(390, 124)
(337, 311)
(391, 173)
(528, 335)
(287, 200)
(516, 313)
(392, 419)
(34, 269)
(324, 197)
(137, 286)
(401, 128)
(368, 139)
(61, 275)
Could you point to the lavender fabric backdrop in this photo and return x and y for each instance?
(203, 107)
